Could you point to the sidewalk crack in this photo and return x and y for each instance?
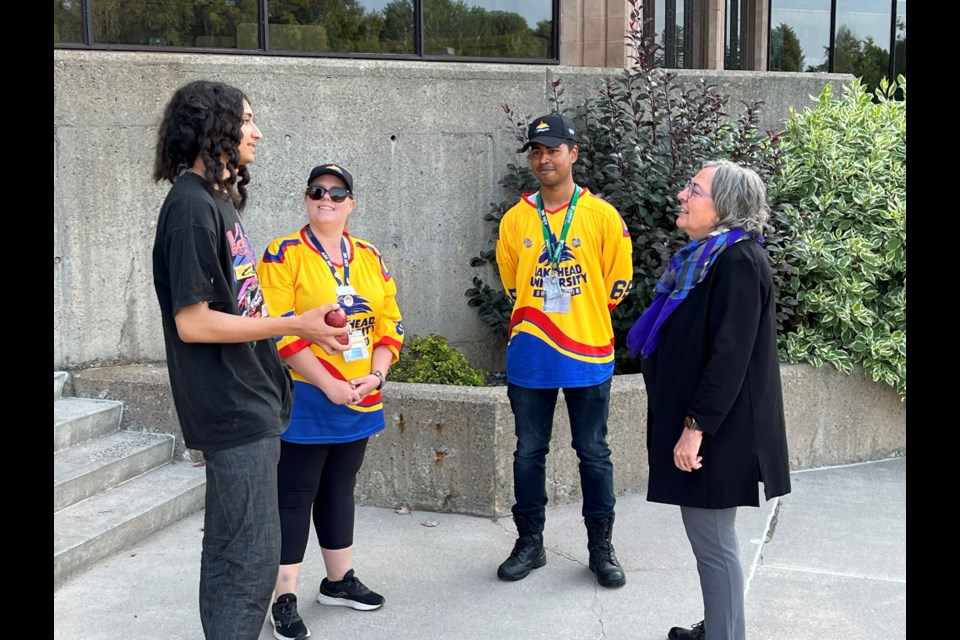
(598, 610)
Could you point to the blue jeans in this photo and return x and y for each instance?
(241, 540)
(588, 408)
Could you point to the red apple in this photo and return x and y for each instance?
(338, 318)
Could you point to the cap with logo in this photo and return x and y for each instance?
(550, 130)
(332, 170)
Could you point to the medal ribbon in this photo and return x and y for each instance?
(554, 251)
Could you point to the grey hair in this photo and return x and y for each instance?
(739, 196)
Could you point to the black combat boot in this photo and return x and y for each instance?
(603, 560)
(527, 553)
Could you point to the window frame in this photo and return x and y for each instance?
(831, 52)
(264, 50)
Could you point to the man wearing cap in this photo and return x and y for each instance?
(565, 260)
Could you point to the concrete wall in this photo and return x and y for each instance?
(426, 142)
(449, 448)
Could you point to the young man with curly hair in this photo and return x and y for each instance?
(231, 390)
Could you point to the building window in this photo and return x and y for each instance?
(67, 21)
(516, 30)
(673, 25)
(799, 35)
(839, 36)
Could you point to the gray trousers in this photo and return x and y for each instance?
(241, 540)
(714, 540)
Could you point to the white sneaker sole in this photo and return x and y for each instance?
(277, 635)
(343, 602)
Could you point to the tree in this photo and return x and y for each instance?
(864, 59)
(398, 26)
(847, 51)
(785, 51)
(475, 31)
(67, 21)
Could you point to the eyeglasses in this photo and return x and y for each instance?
(693, 189)
(337, 194)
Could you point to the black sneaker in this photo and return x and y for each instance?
(286, 621)
(697, 632)
(349, 592)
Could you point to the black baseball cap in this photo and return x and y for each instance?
(332, 170)
(551, 130)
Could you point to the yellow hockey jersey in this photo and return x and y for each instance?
(295, 278)
(574, 349)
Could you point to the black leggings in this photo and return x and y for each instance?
(321, 477)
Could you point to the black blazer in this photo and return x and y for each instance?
(717, 362)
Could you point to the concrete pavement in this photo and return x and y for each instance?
(826, 561)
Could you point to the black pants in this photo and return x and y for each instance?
(321, 478)
(238, 564)
(588, 408)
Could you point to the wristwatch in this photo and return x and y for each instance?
(376, 372)
(692, 424)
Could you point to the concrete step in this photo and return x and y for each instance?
(101, 526)
(77, 420)
(98, 465)
(59, 379)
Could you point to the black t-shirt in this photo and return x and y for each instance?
(226, 395)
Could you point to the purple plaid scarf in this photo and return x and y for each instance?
(687, 268)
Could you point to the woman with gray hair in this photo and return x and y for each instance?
(715, 423)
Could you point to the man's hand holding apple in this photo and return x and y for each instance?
(326, 327)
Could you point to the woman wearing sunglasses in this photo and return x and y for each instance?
(336, 401)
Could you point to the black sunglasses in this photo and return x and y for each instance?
(337, 194)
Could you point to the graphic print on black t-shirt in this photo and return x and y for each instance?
(249, 296)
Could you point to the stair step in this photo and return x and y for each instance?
(97, 465)
(59, 379)
(103, 525)
(77, 420)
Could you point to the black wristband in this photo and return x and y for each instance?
(376, 372)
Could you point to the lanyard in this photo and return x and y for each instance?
(326, 258)
(554, 251)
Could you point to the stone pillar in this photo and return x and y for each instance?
(571, 32)
(592, 33)
(714, 22)
(756, 34)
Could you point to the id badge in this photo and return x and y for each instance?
(345, 295)
(560, 304)
(556, 299)
(358, 347)
(551, 286)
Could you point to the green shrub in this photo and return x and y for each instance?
(431, 360)
(641, 138)
(845, 179)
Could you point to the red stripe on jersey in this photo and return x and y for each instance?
(389, 342)
(540, 319)
(288, 350)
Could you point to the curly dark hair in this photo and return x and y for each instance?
(203, 119)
